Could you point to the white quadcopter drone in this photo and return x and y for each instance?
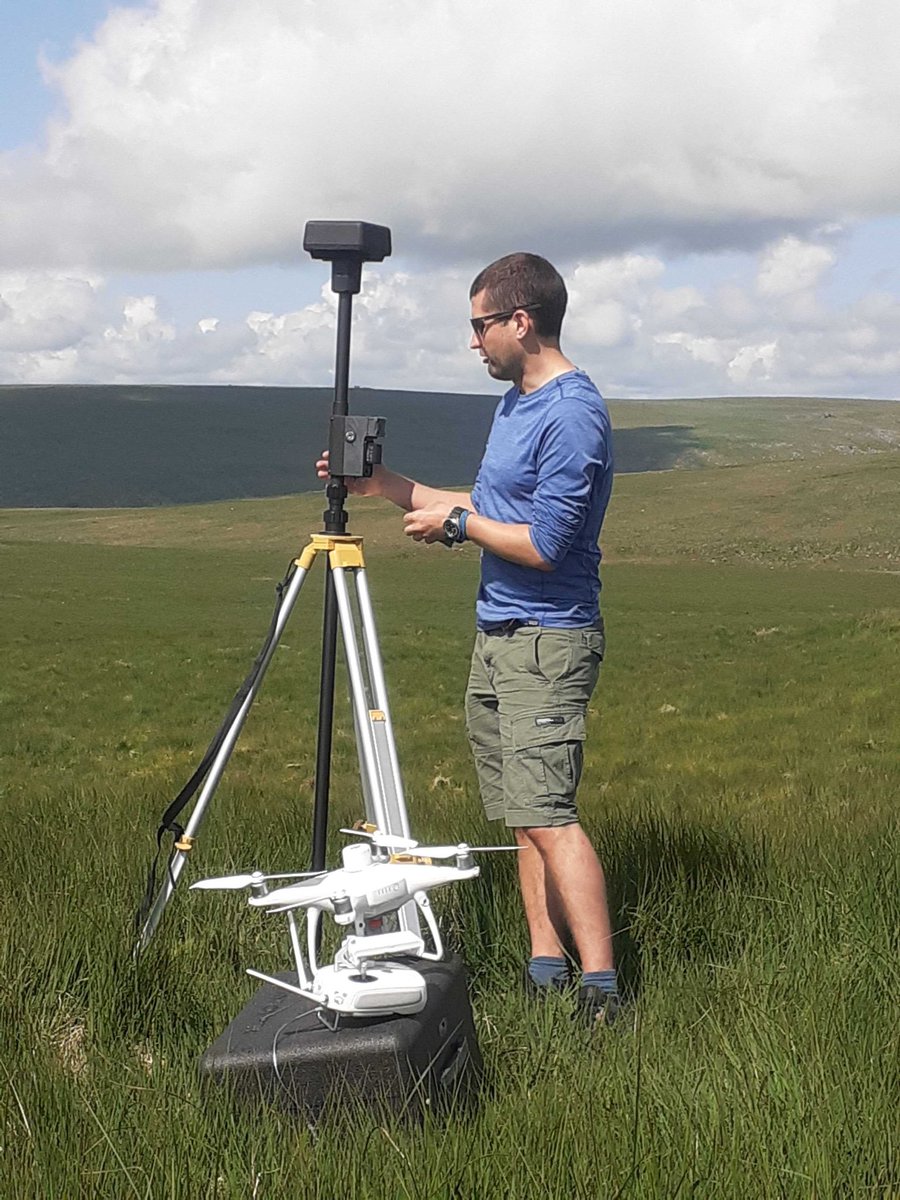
(377, 879)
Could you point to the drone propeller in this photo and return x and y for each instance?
(405, 845)
(386, 841)
(233, 883)
(453, 851)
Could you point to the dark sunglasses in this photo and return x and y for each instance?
(479, 324)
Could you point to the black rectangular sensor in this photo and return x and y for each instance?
(347, 239)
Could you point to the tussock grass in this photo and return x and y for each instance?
(741, 783)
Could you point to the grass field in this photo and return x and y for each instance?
(741, 782)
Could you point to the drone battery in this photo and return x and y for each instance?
(279, 1050)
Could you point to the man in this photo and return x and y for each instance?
(535, 511)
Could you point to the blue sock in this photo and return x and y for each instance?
(604, 980)
(544, 971)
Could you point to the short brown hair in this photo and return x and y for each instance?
(525, 279)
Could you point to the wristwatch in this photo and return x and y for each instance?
(455, 525)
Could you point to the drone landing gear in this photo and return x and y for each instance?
(279, 1050)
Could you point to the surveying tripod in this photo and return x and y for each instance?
(354, 450)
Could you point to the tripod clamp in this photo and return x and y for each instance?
(354, 445)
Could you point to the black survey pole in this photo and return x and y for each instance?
(346, 245)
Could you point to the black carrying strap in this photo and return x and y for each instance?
(168, 822)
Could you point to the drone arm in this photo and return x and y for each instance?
(435, 955)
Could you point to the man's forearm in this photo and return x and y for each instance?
(426, 524)
(410, 495)
(512, 542)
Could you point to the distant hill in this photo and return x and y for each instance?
(130, 446)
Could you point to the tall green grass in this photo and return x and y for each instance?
(741, 784)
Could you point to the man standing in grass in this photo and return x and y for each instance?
(535, 510)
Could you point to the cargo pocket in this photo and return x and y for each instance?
(546, 759)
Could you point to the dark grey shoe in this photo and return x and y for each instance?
(598, 1008)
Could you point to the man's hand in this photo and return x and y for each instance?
(370, 486)
(426, 524)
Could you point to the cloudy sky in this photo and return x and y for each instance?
(718, 180)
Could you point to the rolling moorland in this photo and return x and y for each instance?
(741, 783)
(129, 446)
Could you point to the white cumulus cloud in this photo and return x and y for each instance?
(792, 266)
(205, 132)
(42, 310)
(635, 331)
(620, 139)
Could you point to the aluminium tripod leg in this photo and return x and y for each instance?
(378, 756)
(382, 787)
(395, 802)
(177, 860)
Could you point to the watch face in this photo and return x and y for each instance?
(453, 526)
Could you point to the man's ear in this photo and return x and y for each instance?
(524, 324)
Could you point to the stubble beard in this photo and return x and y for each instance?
(504, 372)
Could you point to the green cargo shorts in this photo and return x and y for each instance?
(526, 701)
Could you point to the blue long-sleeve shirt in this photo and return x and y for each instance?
(547, 464)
